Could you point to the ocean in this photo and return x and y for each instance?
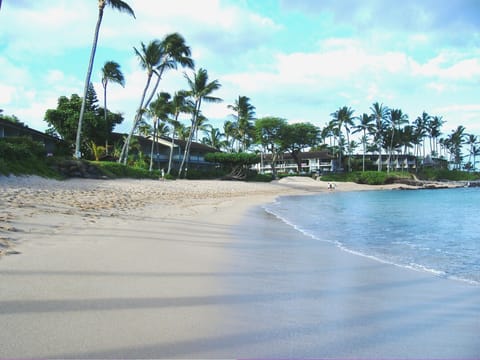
(436, 231)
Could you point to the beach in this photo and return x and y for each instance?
(196, 269)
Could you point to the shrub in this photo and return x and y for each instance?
(445, 174)
(367, 177)
(20, 148)
(116, 170)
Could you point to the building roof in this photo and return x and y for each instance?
(25, 130)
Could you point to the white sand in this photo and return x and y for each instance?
(153, 269)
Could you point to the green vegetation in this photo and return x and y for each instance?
(22, 156)
(384, 133)
(444, 174)
(367, 177)
(116, 170)
(236, 164)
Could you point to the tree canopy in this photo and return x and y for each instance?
(63, 120)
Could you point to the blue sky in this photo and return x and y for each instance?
(296, 59)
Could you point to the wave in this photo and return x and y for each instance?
(411, 265)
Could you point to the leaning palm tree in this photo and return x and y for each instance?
(121, 6)
(110, 73)
(157, 57)
(200, 90)
(149, 57)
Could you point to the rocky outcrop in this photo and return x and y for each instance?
(415, 184)
(79, 169)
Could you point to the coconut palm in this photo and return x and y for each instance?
(475, 152)
(380, 114)
(366, 127)
(422, 124)
(202, 125)
(174, 52)
(110, 73)
(180, 104)
(396, 118)
(155, 58)
(454, 143)
(121, 6)
(343, 118)
(244, 115)
(200, 90)
(229, 129)
(149, 57)
(434, 132)
(213, 137)
(471, 140)
(160, 109)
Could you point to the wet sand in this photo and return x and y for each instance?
(195, 269)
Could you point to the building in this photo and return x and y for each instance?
(313, 161)
(161, 151)
(12, 129)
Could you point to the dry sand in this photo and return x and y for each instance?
(191, 269)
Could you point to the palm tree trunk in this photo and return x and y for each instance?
(153, 144)
(105, 114)
(364, 149)
(124, 154)
(154, 90)
(186, 155)
(78, 154)
(170, 157)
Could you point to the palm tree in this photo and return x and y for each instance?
(110, 72)
(422, 123)
(343, 117)
(117, 5)
(160, 109)
(229, 129)
(244, 114)
(213, 138)
(200, 90)
(202, 125)
(366, 127)
(155, 58)
(454, 142)
(472, 140)
(475, 152)
(180, 104)
(149, 57)
(174, 52)
(435, 124)
(396, 118)
(380, 114)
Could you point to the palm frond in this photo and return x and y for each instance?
(121, 6)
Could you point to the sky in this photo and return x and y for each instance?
(296, 59)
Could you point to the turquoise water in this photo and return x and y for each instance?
(427, 230)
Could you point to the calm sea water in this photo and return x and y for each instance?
(427, 230)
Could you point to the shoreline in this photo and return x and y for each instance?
(134, 268)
